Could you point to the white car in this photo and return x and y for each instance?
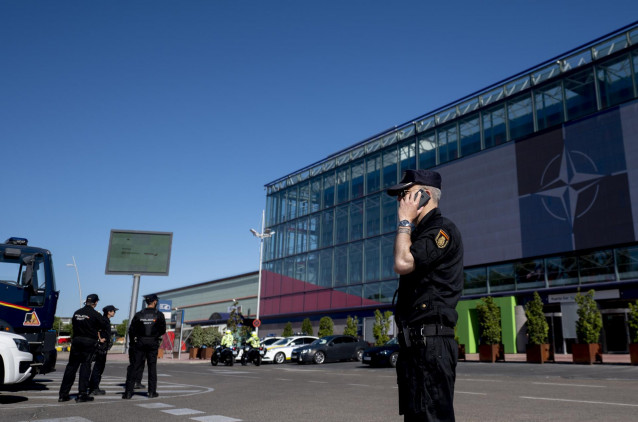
(16, 359)
(280, 351)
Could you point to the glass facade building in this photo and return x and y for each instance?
(540, 173)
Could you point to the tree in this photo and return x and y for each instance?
(352, 326)
(212, 336)
(121, 328)
(306, 327)
(197, 336)
(589, 322)
(235, 319)
(381, 327)
(537, 327)
(326, 327)
(489, 315)
(287, 330)
(633, 322)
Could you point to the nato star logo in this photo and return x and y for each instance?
(569, 185)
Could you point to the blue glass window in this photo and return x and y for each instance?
(580, 94)
(302, 235)
(614, 81)
(341, 224)
(327, 228)
(356, 220)
(373, 215)
(448, 141)
(343, 184)
(470, 130)
(407, 156)
(597, 266)
(387, 257)
(373, 173)
(329, 189)
(427, 150)
(494, 126)
(627, 262)
(501, 277)
(520, 116)
(315, 195)
(561, 270)
(313, 232)
(475, 281)
(341, 265)
(291, 203)
(390, 167)
(530, 274)
(355, 263)
(549, 105)
(312, 274)
(389, 213)
(357, 179)
(372, 259)
(325, 268)
(302, 198)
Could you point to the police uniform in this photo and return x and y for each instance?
(426, 316)
(86, 323)
(101, 352)
(145, 331)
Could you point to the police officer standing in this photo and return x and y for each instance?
(145, 331)
(102, 350)
(428, 256)
(86, 323)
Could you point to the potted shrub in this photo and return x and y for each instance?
(197, 341)
(537, 330)
(489, 315)
(588, 327)
(633, 325)
(210, 338)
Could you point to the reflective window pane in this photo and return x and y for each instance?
(548, 101)
(291, 229)
(341, 224)
(580, 94)
(343, 184)
(530, 274)
(356, 220)
(520, 117)
(387, 257)
(313, 232)
(470, 131)
(389, 213)
(302, 198)
(597, 266)
(614, 81)
(291, 203)
(315, 195)
(427, 150)
(373, 215)
(501, 277)
(355, 263)
(390, 167)
(407, 156)
(494, 126)
(372, 261)
(329, 189)
(325, 268)
(627, 262)
(302, 235)
(357, 179)
(447, 142)
(475, 281)
(312, 272)
(341, 265)
(562, 271)
(327, 228)
(300, 268)
(386, 292)
(373, 173)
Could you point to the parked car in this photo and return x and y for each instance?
(382, 355)
(267, 341)
(330, 349)
(16, 358)
(281, 350)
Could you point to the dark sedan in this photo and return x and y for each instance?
(330, 349)
(382, 355)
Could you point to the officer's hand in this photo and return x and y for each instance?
(408, 207)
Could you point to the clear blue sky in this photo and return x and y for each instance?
(173, 115)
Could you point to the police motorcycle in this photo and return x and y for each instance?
(225, 355)
(252, 352)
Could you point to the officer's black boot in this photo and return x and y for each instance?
(127, 395)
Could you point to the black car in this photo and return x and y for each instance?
(330, 349)
(382, 355)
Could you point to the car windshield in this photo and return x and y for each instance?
(281, 342)
(393, 340)
(319, 341)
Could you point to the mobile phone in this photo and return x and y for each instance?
(425, 197)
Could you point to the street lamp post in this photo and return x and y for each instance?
(265, 233)
(77, 274)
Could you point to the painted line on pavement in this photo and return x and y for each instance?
(570, 385)
(469, 392)
(580, 401)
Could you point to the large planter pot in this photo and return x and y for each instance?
(206, 353)
(586, 353)
(160, 353)
(491, 352)
(537, 353)
(633, 353)
(193, 352)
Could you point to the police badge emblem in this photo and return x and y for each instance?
(442, 239)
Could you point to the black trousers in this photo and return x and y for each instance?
(82, 349)
(97, 371)
(426, 373)
(131, 360)
(145, 348)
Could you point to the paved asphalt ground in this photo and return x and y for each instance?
(348, 391)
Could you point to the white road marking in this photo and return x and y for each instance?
(155, 405)
(469, 392)
(183, 411)
(570, 385)
(215, 418)
(580, 401)
(69, 419)
(359, 385)
(319, 382)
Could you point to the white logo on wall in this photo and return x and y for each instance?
(568, 178)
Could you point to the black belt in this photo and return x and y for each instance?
(430, 330)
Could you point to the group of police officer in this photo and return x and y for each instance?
(92, 340)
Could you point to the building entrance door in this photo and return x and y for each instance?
(614, 335)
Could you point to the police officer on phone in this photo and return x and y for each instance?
(428, 256)
(145, 332)
(86, 322)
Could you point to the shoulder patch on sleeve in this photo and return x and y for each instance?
(442, 239)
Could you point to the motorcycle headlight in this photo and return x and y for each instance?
(22, 344)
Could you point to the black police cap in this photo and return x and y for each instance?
(151, 298)
(109, 308)
(92, 298)
(416, 177)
